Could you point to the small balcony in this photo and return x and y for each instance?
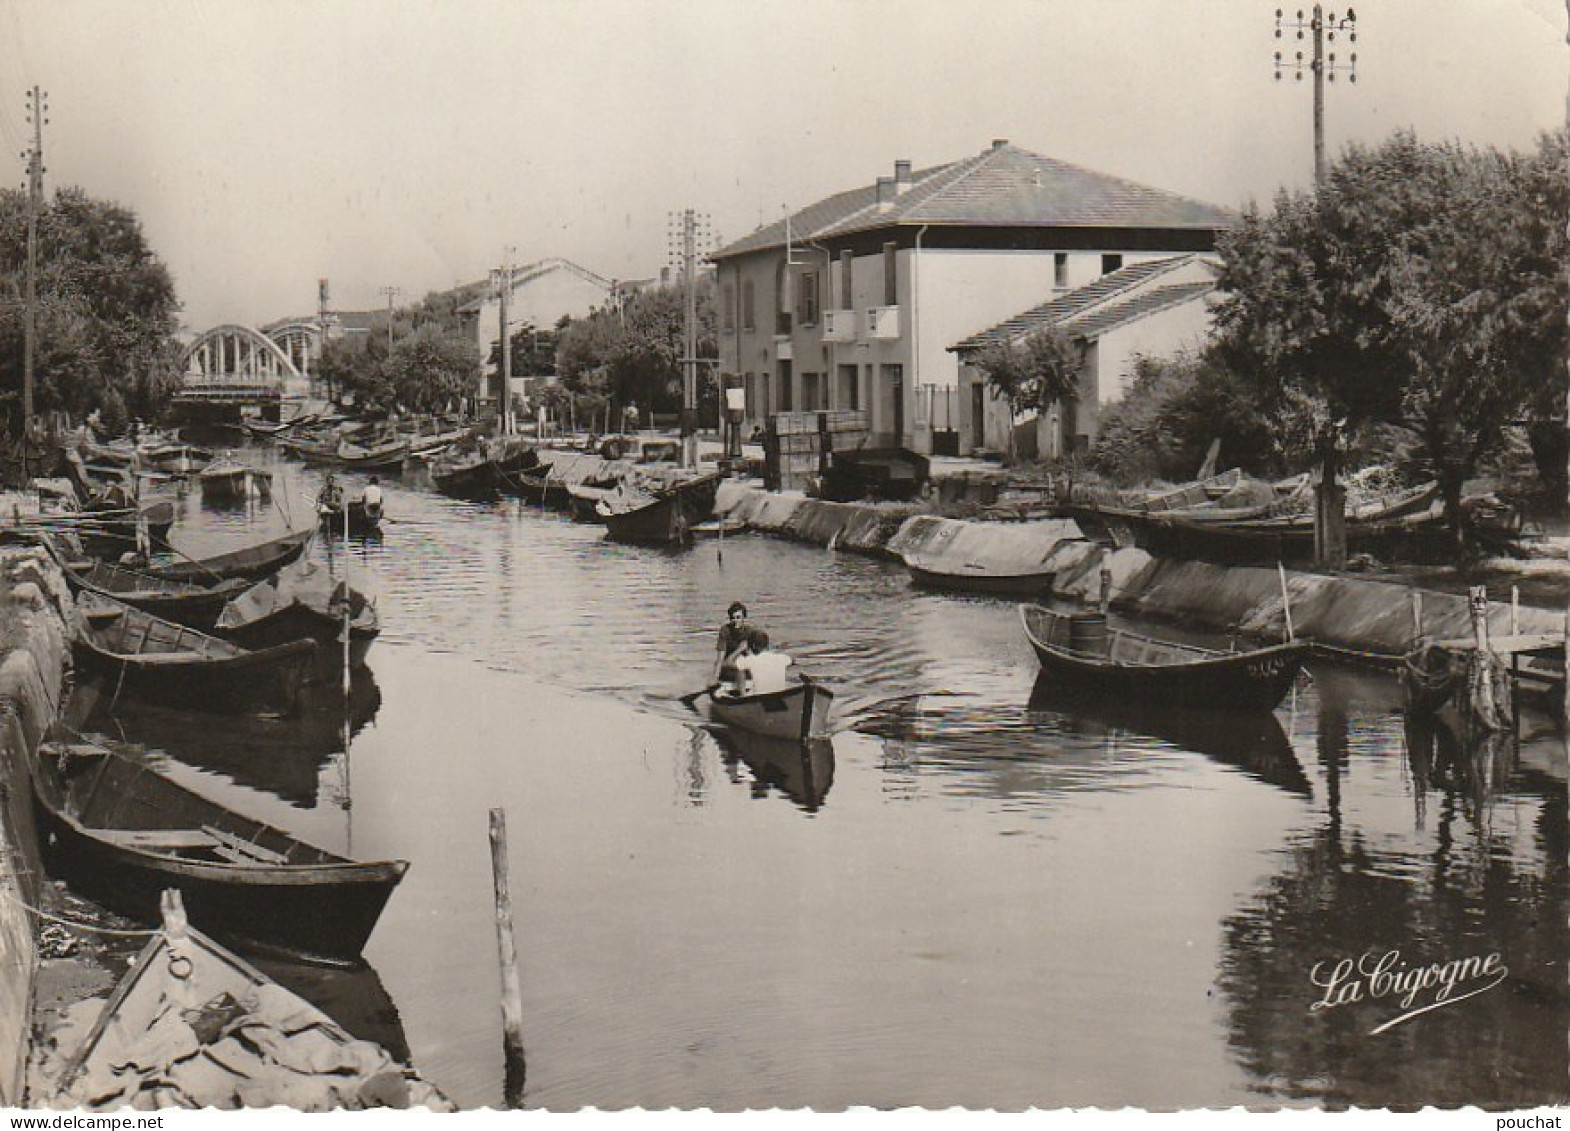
(839, 325)
(883, 323)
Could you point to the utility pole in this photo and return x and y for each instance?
(323, 321)
(37, 105)
(391, 293)
(501, 279)
(1321, 27)
(1330, 543)
(686, 247)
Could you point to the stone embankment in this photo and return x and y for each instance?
(1350, 616)
(33, 664)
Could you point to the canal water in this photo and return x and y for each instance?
(981, 893)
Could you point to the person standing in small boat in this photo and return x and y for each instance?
(761, 671)
(731, 643)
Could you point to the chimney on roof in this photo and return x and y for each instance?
(999, 142)
(885, 193)
(901, 177)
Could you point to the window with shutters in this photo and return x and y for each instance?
(807, 298)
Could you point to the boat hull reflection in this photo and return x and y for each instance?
(802, 771)
(1248, 740)
(281, 756)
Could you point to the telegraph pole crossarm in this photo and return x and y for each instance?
(1321, 27)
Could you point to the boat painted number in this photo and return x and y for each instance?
(1266, 667)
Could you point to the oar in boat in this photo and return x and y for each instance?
(692, 697)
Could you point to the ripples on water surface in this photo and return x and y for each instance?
(984, 893)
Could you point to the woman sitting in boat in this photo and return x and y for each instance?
(731, 643)
(760, 671)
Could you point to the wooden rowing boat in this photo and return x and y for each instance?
(227, 480)
(1079, 648)
(301, 603)
(193, 1025)
(978, 577)
(120, 832)
(800, 712)
(251, 563)
(384, 455)
(661, 515)
(470, 474)
(183, 602)
(363, 520)
(143, 655)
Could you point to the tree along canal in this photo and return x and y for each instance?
(983, 893)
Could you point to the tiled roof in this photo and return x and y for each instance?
(1004, 186)
(1097, 322)
(522, 276)
(1064, 307)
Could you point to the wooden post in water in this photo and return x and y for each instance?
(1286, 601)
(1482, 705)
(512, 994)
(1106, 582)
(1417, 617)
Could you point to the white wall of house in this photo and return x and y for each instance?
(1164, 333)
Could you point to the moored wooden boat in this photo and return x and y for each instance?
(301, 603)
(174, 457)
(1079, 648)
(184, 602)
(122, 832)
(140, 654)
(470, 474)
(586, 499)
(228, 480)
(382, 455)
(658, 515)
(799, 713)
(977, 577)
(111, 528)
(250, 562)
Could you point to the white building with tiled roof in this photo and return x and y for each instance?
(1155, 308)
(541, 295)
(853, 302)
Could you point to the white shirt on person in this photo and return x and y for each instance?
(372, 496)
(764, 672)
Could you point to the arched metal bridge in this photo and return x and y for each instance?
(235, 364)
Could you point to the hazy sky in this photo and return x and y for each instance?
(409, 143)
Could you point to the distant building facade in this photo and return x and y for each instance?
(542, 294)
(1154, 308)
(853, 302)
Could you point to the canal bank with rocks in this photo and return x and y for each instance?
(1347, 616)
(34, 662)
